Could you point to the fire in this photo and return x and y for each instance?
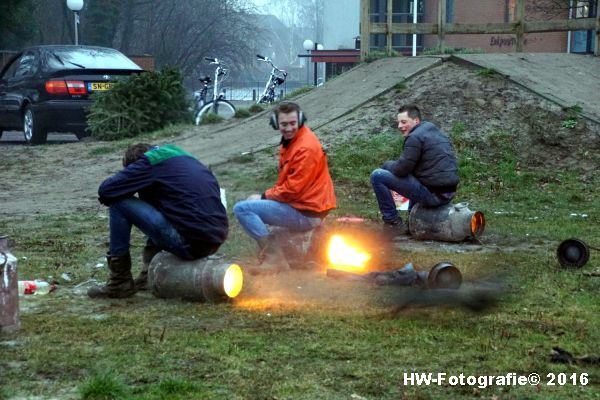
(345, 257)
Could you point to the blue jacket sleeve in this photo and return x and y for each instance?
(408, 159)
(127, 182)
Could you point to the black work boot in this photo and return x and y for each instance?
(271, 257)
(393, 229)
(148, 253)
(120, 281)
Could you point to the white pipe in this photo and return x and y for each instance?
(414, 38)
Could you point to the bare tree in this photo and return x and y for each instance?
(183, 33)
(304, 18)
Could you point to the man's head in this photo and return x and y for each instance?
(134, 152)
(409, 116)
(287, 118)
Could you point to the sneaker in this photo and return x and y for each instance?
(395, 229)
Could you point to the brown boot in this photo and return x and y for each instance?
(120, 281)
(270, 257)
(148, 253)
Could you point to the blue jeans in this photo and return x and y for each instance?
(255, 215)
(408, 186)
(133, 211)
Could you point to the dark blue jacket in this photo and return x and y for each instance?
(429, 156)
(179, 186)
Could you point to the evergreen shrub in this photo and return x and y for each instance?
(142, 103)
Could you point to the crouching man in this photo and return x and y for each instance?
(425, 173)
(178, 208)
(301, 197)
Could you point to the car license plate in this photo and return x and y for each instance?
(96, 86)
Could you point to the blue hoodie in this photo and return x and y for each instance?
(183, 189)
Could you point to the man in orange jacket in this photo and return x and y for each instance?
(302, 196)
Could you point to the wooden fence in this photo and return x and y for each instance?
(519, 27)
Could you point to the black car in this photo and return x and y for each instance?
(47, 88)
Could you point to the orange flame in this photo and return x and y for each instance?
(345, 257)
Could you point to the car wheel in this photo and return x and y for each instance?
(32, 130)
(82, 135)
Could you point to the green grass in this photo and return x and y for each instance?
(572, 116)
(313, 337)
(211, 118)
(297, 92)
(487, 72)
(242, 113)
(255, 108)
(400, 87)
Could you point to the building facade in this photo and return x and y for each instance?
(342, 23)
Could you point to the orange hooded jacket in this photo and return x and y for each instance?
(303, 182)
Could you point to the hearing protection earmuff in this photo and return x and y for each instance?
(273, 121)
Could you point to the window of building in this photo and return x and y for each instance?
(510, 11)
(449, 11)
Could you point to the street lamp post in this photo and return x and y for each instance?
(310, 45)
(75, 6)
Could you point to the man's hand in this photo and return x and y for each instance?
(388, 165)
(255, 196)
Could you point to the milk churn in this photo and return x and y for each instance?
(9, 286)
(449, 223)
(206, 279)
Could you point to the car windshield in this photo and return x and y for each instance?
(89, 58)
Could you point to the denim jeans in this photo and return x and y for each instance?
(255, 215)
(408, 186)
(133, 211)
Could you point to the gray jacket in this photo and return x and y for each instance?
(429, 156)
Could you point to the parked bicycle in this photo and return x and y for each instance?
(276, 78)
(218, 105)
(199, 96)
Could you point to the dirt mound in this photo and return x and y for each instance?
(482, 105)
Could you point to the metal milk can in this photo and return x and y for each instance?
(449, 223)
(9, 289)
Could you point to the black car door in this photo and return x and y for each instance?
(16, 85)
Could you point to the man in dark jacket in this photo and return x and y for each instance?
(425, 173)
(178, 208)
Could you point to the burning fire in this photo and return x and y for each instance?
(345, 257)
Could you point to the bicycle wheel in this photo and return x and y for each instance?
(223, 108)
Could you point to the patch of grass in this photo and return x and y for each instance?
(103, 386)
(572, 116)
(211, 118)
(297, 92)
(256, 108)
(378, 54)
(244, 158)
(400, 87)
(242, 113)
(487, 72)
(101, 150)
(354, 161)
(176, 389)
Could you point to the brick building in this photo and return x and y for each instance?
(342, 31)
